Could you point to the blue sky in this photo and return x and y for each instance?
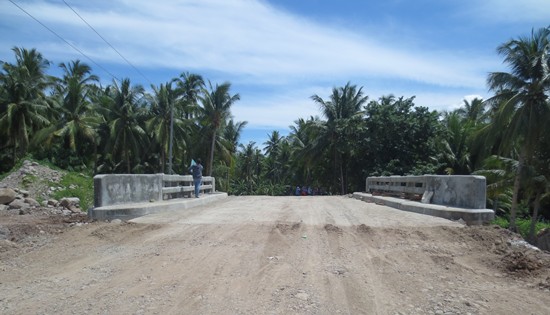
(278, 53)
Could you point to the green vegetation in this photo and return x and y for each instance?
(77, 185)
(29, 180)
(523, 225)
(79, 125)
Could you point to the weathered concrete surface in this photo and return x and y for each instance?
(470, 216)
(130, 211)
(462, 191)
(115, 189)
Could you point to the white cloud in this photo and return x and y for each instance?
(445, 101)
(251, 44)
(280, 111)
(244, 38)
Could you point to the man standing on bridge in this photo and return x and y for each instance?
(196, 170)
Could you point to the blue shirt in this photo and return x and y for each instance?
(196, 171)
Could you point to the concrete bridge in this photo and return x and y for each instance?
(451, 197)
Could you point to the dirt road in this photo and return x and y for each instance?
(277, 255)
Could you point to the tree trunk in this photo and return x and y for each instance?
(531, 237)
(515, 196)
(342, 181)
(171, 143)
(336, 170)
(95, 158)
(211, 157)
(128, 162)
(14, 154)
(163, 162)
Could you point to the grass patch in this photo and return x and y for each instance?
(523, 225)
(77, 185)
(28, 180)
(502, 222)
(73, 184)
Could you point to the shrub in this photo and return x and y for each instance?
(523, 224)
(77, 185)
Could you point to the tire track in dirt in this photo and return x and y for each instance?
(349, 271)
(267, 255)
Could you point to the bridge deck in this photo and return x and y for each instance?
(312, 211)
(257, 208)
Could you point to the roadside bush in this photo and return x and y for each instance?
(77, 185)
(522, 224)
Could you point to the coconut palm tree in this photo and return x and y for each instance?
(540, 187)
(164, 101)
(76, 122)
(343, 108)
(499, 172)
(250, 159)
(455, 147)
(127, 136)
(473, 111)
(189, 87)
(230, 142)
(216, 109)
(521, 99)
(302, 138)
(272, 145)
(23, 101)
(272, 148)
(232, 132)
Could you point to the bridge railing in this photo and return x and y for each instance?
(465, 191)
(113, 189)
(177, 186)
(410, 185)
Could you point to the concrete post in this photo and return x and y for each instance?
(160, 183)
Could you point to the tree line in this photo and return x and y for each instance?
(75, 122)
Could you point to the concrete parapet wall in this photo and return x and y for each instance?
(116, 189)
(464, 191)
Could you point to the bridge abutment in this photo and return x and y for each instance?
(452, 197)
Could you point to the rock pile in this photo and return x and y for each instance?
(19, 200)
(39, 182)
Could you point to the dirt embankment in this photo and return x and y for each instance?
(30, 223)
(273, 255)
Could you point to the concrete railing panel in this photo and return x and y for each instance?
(115, 189)
(465, 191)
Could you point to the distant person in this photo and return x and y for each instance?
(196, 170)
(297, 191)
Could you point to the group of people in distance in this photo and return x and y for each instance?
(196, 170)
(308, 191)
